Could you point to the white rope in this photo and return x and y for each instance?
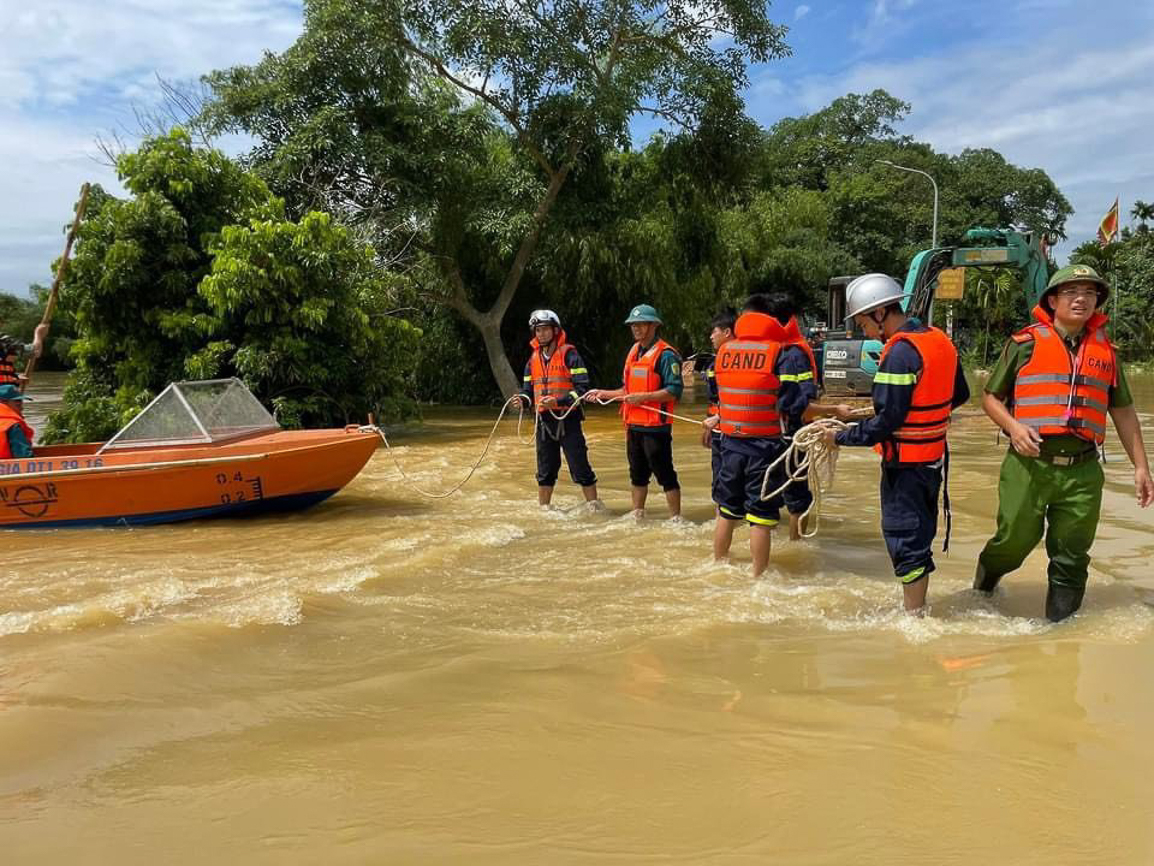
(476, 465)
(809, 457)
(601, 402)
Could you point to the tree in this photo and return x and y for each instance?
(199, 275)
(1142, 211)
(562, 82)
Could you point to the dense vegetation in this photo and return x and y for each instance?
(426, 172)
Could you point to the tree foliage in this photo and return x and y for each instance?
(558, 84)
(200, 275)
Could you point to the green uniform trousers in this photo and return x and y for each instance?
(1036, 496)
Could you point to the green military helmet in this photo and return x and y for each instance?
(1078, 274)
(643, 313)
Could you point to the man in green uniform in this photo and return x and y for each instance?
(1050, 392)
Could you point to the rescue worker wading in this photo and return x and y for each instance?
(652, 385)
(15, 434)
(797, 402)
(720, 333)
(749, 380)
(555, 379)
(1050, 392)
(918, 383)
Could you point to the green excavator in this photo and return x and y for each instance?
(849, 361)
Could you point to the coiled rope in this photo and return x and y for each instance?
(809, 457)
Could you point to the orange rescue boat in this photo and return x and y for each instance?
(200, 449)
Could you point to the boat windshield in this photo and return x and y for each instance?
(196, 412)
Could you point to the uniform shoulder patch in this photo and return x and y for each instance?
(1022, 336)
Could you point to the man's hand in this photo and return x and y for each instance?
(707, 428)
(829, 436)
(592, 395)
(843, 411)
(549, 401)
(1026, 440)
(1143, 486)
(638, 397)
(38, 338)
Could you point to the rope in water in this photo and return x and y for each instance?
(516, 398)
(806, 457)
(476, 465)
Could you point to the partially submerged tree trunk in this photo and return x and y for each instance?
(489, 323)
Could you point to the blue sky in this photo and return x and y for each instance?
(1063, 86)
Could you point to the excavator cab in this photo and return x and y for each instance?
(847, 359)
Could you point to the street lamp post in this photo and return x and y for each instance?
(934, 230)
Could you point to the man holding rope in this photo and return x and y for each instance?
(652, 386)
(555, 380)
(918, 384)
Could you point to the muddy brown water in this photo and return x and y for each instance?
(391, 679)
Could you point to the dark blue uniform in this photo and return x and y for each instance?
(909, 492)
(714, 434)
(555, 436)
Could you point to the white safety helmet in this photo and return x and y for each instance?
(544, 317)
(870, 291)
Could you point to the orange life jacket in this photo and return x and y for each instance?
(10, 418)
(1056, 397)
(8, 374)
(922, 435)
(793, 337)
(641, 375)
(550, 376)
(746, 382)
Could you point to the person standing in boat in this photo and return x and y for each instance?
(10, 348)
(1050, 392)
(15, 434)
(555, 379)
(651, 387)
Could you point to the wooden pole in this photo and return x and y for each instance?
(50, 307)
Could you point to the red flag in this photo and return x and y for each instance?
(1108, 228)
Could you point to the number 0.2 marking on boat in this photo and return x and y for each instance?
(242, 489)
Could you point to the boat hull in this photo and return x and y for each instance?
(283, 471)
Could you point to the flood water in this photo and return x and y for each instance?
(392, 679)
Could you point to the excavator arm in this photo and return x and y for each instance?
(988, 248)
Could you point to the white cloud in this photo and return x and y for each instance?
(800, 12)
(883, 23)
(1073, 100)
(73, 69)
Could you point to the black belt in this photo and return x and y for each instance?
(1069, 459)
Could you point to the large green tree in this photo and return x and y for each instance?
(198, 274)
(558, 84)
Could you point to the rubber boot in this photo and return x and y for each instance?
(1062, 601)
(984, 582)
